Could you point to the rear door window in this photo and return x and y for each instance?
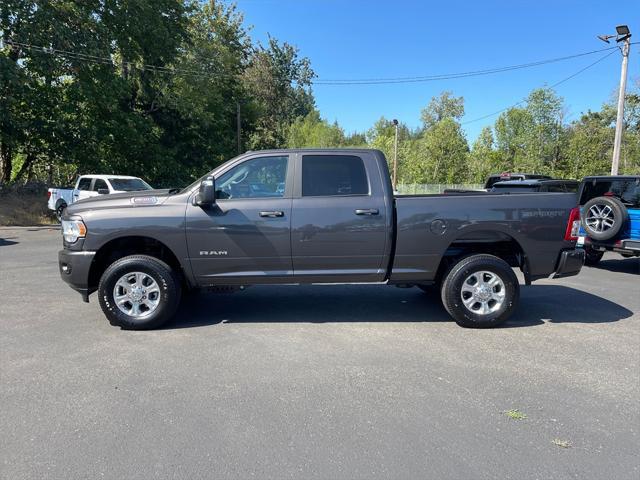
(333, 175)
(99, 184)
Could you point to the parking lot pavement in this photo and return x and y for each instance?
(318, 382)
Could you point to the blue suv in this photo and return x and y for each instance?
(610, 216)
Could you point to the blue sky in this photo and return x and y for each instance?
(374, 38)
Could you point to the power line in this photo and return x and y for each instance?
(551, 86)
(450, 76)
(372, 81)
(109, 61)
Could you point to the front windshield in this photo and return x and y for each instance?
(129, 184)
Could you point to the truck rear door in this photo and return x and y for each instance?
(341, 218)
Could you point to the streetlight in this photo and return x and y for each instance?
(395, 155)
(622, 35)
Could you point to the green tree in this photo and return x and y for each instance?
(442, 154)
(484, 159)
(313, 131)
(444, 106)
(279, 84)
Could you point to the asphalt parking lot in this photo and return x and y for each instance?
(327, 382)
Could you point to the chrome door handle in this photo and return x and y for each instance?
(272, 213)
(367, 211)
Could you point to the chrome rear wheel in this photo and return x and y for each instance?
(483, 292)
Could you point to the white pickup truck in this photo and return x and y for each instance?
(90, 186)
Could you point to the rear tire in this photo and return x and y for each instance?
(480, 291)
(592, 257)
(146, 310)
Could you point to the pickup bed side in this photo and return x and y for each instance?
(519, 228)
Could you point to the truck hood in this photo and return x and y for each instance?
(144, 198)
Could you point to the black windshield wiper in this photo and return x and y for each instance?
(173, 191)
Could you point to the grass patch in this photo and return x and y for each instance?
(24, 210)
(561, 443)
(515, 414)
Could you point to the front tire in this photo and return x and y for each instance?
(60, 211)
(480, 291)
(139, 292)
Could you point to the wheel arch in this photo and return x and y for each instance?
(492, 242)
(124, 246)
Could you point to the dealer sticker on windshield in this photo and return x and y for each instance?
(580, 240)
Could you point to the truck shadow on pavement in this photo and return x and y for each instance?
(620, 265)
(325, 304)
(5, 242)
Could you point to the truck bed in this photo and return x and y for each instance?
(430, 225)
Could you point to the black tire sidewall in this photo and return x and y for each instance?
(160, 272)
(452, 287)
(619, 217)
(60, 211)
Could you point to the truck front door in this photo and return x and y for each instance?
(245, 238)
(341, 227)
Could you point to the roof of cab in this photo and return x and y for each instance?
(104, 177)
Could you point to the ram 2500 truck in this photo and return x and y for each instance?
(313, 216)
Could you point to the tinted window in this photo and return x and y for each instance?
(514, 189)
(262, 177)
(84, 184)
(627, 190)
(325, 175)
(129, 184)
(99, 184)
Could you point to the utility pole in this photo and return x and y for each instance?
(623, 35)
(395, 156)
(239, 127)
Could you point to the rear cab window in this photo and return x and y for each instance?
(333, 175)
(84, 183)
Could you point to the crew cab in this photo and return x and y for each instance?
(91, 185)
(313, 216)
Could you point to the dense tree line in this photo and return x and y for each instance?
(153, 88)
(534, 138)
(148, 87)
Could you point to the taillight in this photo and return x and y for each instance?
(573, 225)
(48, 194)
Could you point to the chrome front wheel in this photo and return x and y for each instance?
(136, 294)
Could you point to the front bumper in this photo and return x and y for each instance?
(570, 263)
(74, 269)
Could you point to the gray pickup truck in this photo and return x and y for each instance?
(313, 216)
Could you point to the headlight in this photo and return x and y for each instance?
(72, 230)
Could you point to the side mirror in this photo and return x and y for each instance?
(207, 194)
(103, 191)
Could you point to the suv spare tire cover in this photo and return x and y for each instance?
(604, 217)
